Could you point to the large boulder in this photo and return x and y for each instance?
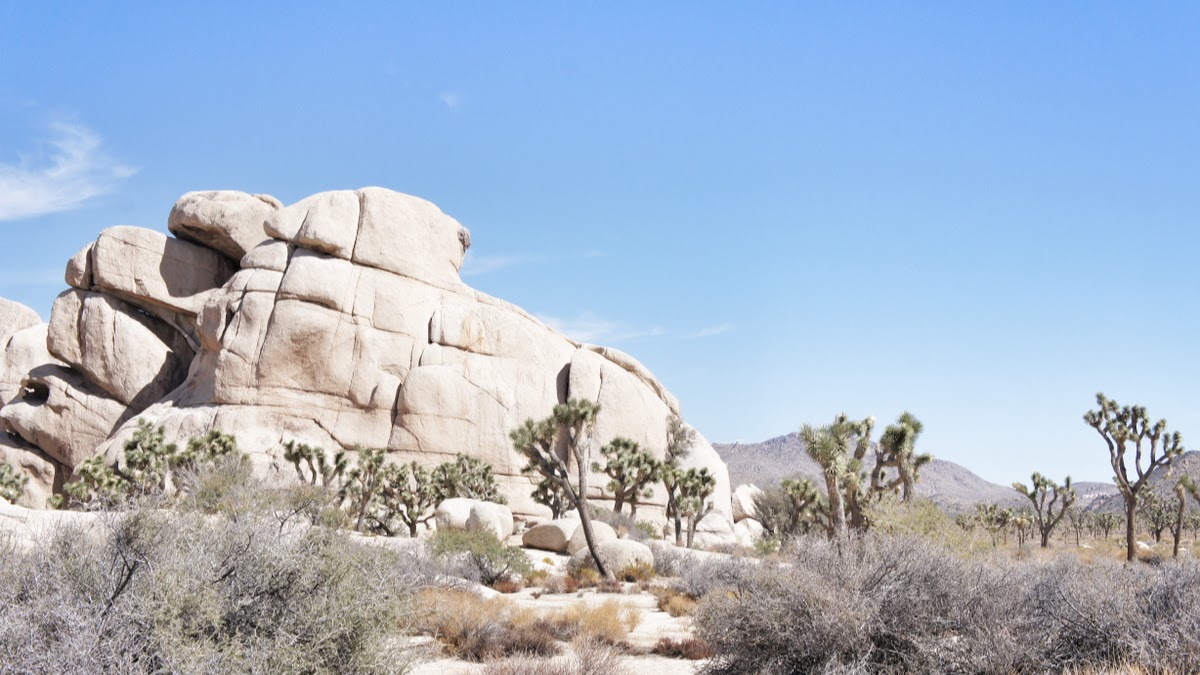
(601, 533)
(15, 317)
(490, 517)
(453, 514)
(743, 502)
(227, 221)
(617, 555)
(63, 414)
(554, 535)
(135, 358)
(747, 531)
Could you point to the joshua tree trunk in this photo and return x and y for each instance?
(618, 501)
(1130, 533)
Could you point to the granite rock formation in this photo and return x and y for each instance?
(338, 321)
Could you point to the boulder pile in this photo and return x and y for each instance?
(339, 321)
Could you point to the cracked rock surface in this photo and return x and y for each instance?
(338, 321)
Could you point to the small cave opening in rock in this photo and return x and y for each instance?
(35, 393)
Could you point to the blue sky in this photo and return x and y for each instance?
(983, 213)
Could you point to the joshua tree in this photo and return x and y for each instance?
(993, 519)
(148, 457)
(839, 448)
(897, 448)
(12, 483)
(1044, 515)
(1119, 427)
(551, 494)
(680, 439)
(408, 492)
(207, 448)
(695, 487)
(806, 502)
(575, 422)
(319, 468)
(1106, 522)
(1183, 487)
(468, 477)
(1156, 513)
(1022, 523)
(362, 483)
(631, 470)
(1079, 520)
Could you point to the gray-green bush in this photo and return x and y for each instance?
(881, 604)
(157, 592)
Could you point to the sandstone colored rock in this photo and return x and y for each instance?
(79, 269)
(490, 517)
(747, 531)
(453, 514)
(15, 317)
(617, 555)
(22, 353)
(230, 222)
(166, 277)
(601, 533)
(743, 502)
(44, 474)
(342, 323)
(554, 535)
(135, 358)
(62, 414)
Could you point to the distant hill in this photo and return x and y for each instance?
(950, 485)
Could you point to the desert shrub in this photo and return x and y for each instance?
(585, 577)
(608, 622)
(636, 572)
(490, 557)
(884, 605)
(558, 585)
(12, 483)
(161, 592)
(690, 649)
(475, 629)
(225, 484)
(587, 658)
(673, 602)
(667, 558)
(700, 576)
(651, 530)
(918, 518)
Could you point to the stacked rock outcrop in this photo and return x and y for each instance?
(338, 321)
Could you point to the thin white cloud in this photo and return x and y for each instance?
(476, 265)
(588, 327)
(452, 99)
(75, 171)
(712, 330)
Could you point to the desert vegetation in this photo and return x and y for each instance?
(194, 563)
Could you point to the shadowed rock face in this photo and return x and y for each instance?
(343, 323)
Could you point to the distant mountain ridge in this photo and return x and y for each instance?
(949, 485)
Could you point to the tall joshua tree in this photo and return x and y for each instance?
(631, 470)
(680, 439)
(575, 422)
(1045, 494)
(897, 447)
(1123, 428)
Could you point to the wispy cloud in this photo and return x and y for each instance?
(711, 331)
(588, 327)
(476, 265)
(452, 99)
(75, 171)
